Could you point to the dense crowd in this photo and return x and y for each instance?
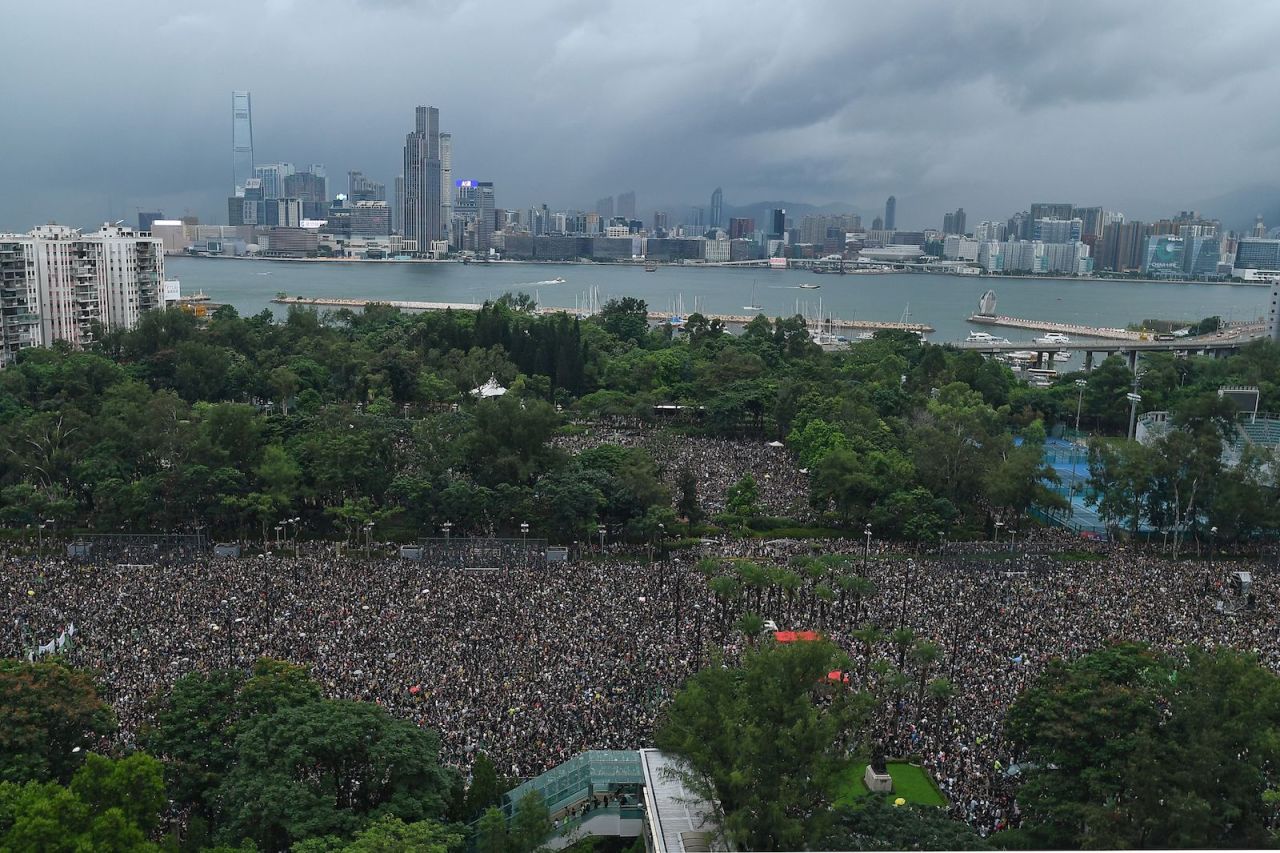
(719, 464)
(532, 664)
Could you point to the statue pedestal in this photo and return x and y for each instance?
(877, 783)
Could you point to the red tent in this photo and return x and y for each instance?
(794, 636)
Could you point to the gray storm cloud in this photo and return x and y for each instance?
(1138, 107)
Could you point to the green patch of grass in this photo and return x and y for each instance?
(910, 782)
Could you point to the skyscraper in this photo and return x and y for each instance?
(397, 209)
(241, 141)
(446, 183)
(717, 208)
(890, 213)
(484, 217)
(777, 223)
(627, 205)
(272, 177)
(422, 208)
(604, 207)
(312, 188)
(953, 223)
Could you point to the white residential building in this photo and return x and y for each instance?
(57, 283)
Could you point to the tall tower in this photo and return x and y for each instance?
(1273, 313)
(890, 213)
(422, 208)
(446, 182)
(717, 208)
(241, 141)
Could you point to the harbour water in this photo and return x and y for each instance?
(942, 301)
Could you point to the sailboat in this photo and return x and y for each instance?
(753, 306)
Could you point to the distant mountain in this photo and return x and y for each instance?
(1239, 208)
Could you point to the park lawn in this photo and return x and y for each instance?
(909, 782)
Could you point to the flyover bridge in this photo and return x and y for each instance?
(1216, 345)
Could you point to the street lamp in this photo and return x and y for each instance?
(662, 540)
(866, 551)
(697, 649)
(446, 527)
(368, 539)
(1080, 384)
(600, 530)
(279, 528)
(1134, 400)
(524, 533)
(999, 524)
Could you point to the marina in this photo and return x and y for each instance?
(944, 303)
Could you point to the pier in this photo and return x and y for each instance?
(735, 319)
(1065, 328)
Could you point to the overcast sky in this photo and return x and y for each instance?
(1140, 107)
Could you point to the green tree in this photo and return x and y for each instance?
(388, 834)
(727, 725)
(491, 833)
(872, 823)
(531, 825)
(484, 790)
(51, 713)
(743, 497)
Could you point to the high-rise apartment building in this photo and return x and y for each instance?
(56, 282)
(741, 227)
(241, 141)
(627, 205)
(1057, 230)
(717, 208)
(891, 213)
(360, 188)
(147, 217)
(1091, 219)
(1051, 210)
(423, 211)
(604, 207)
(953, 223)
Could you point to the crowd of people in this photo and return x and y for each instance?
(533, 663)
(719, 463)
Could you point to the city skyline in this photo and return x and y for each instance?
(938, 95)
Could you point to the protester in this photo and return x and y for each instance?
(537, 661)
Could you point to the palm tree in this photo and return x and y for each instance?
(902, 639)
(753, 577)
(825, 595)
(870, 636)
(860, 588)
(924, 656)
(725, 588)
(750, 624)
(789, 582)
(940, 691)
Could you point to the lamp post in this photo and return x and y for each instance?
(600, 530)
(1134, 400)
(296, 521)
(279, 529)
(697, 648)
(662, 541)
(999, 524)
(524, 533)
(368, 540)
(866, 551)
(1080, 384)
(446, 527)
(1213, 538)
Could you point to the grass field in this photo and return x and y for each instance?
(909, 782)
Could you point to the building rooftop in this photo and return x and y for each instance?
(678, 819)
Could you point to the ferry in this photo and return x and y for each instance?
(650, 267)
(1053, 338)
(809, 286)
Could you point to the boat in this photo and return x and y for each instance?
(558, 280)
(1053, 338)
(650, 267)
(809, 286)
(753, 306)
(984, 338)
